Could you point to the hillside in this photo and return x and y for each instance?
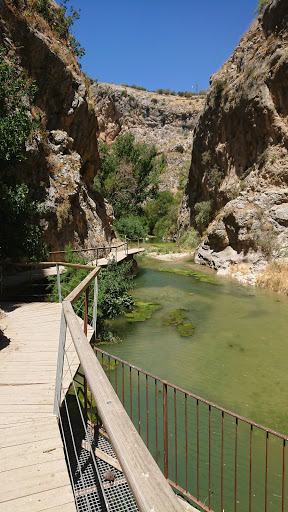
(239, 168)
(60, 160)
(165, 121)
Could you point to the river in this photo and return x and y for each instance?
(237, 356)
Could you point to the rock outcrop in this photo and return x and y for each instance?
(165, 121)
(239, 156)
(61, 154)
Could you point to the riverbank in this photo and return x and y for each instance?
(170, 256)
(272, 276)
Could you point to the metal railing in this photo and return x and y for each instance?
(96, 254)
(218, 459)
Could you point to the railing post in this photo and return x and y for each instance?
(58, 283)
(138, 243)
(116, 253)
(143, 243)
(85, 332)
(95, 302)
(60, 364)
(165, 425)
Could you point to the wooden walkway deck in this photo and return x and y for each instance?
(120, 256)
(33, 473)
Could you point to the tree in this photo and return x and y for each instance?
(129, 174)
(161, 214)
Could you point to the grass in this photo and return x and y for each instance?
(275, 277)
(142, 311)
(178, 318)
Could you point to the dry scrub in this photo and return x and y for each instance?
(275, 277)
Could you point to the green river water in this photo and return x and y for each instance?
(236, 358)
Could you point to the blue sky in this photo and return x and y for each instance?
(172, 44)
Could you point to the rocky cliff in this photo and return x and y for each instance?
(239, 158)
(165, 121)
(61, 154)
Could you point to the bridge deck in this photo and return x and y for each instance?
(121, 255)
(33, 473)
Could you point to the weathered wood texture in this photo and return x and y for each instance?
(33, 473)
(146, 481)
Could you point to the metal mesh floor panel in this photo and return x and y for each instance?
(87, 488)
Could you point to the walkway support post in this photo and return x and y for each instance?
(85, 332)
(58, 283)
(60, 364)
(95, 303)
(165, 426)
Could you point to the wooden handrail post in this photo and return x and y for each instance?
(116, 254)
(60, 364)
(58, 283)
(165, 427)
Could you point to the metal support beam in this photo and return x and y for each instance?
(95, 303)
(60, 364)
(59, 283)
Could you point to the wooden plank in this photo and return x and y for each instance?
(40, 477)
(58, 499)
(146, 481)
(31, 453)
(43, 428)
(102, 455)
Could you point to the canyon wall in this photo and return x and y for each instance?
(239, 159)
(61, 157)
(166, 121)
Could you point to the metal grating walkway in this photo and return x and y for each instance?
(88, 489)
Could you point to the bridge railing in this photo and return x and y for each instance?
(146, 481)
(218, 459)
(108, 252)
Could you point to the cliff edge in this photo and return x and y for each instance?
(239, 158)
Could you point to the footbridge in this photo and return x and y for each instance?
(84, 430)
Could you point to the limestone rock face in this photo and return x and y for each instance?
(165, 121)
(239, 156)
(61, 155)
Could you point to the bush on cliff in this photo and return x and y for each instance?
(19, 214)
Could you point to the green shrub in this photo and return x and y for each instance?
(206, 157)
(219, 86)
(260, 7)
(161, 214)
(19, 214)
(129, 174)
(215, 176)
(180, 148)
(132, 226)
(114, 282)
(204, 211)
(190, 240)
(15, 122)
(19, 218)
(59, 19)
(154, 100)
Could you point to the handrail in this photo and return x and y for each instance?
(75, 294)
(147, 483)
(150, 488)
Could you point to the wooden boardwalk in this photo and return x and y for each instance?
(33, 473)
